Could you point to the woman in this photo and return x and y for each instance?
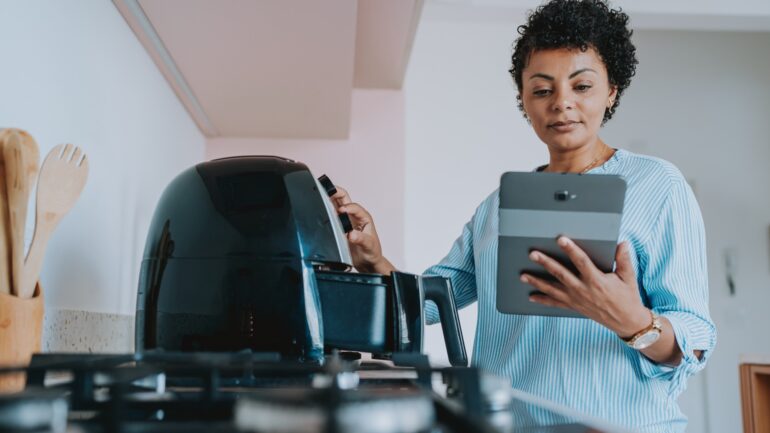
(650, 326)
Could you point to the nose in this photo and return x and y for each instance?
(563, 102)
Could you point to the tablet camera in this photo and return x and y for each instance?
(564, 195)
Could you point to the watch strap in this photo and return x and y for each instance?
(654, 325)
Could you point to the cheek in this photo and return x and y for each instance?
(594, 110)
(535, 110)
(527, 105)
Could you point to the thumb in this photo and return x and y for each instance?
(624, 268)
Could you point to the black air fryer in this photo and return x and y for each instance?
(248, 253)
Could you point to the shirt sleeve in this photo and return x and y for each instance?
(459, 267)
(675, 281)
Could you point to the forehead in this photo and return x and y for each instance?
(563, 61)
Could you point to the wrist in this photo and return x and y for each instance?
(635, 323)
(383, 266)
(647, 336)
(379, 266)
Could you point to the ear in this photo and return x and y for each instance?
(613, 93)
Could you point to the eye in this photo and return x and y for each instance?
(542, 92)
(583, 87)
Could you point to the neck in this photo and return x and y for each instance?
(578, 160)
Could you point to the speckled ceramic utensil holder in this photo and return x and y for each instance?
(21, 326)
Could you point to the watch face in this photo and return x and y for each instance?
(646, 340)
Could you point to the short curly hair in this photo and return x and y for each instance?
(579, 24)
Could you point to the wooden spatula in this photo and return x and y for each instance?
(62, 177)
(21, 155)
(5, 244)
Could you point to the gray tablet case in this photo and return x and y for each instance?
(535, 208)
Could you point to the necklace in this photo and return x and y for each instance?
(592, 164)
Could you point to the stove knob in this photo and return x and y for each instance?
(327, 184)
(346, 224)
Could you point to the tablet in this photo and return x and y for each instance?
(535, 209)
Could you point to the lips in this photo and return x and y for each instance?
(564, 126)
(562, 123)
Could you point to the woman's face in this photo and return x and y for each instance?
(564, 93)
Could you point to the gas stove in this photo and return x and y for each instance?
(259, 392)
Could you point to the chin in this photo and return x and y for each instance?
(566, 143)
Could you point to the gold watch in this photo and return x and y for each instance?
(647, 336)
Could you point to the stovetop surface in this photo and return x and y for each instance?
(239, 392)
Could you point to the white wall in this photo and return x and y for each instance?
(700, 100)
(74, 72)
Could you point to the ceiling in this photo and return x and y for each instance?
(287, 68)
(275, 68)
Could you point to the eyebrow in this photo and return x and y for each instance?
(550, 78)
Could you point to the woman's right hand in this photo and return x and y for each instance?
(365, 248)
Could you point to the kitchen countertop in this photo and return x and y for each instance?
(87, 332)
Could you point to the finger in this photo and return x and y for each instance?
(359, 216)
(624, 268)
(547, 287)
(355, 237)
(341, 197)
(549, 301)
(579, 258)
(564, 275)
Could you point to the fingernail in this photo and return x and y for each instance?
(534, 255)
(563, 241)
(523, 278)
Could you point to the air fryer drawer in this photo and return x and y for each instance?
(355, 310)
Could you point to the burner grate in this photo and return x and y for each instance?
(191, 392)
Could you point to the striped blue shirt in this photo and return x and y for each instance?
(577, 362)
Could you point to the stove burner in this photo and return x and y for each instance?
(33, 411)
(360, 411)
(336, 403)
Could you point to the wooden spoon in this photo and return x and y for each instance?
(30, 149)
(62, 177)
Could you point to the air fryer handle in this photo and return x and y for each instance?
(439, 290)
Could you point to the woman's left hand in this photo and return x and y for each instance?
(612, 299)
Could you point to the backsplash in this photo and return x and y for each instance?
(87, 331)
